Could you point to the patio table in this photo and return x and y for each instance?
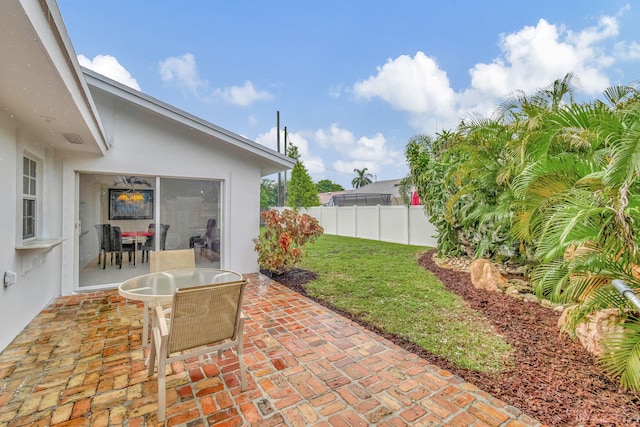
(158, 288)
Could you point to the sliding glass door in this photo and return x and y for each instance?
(191, 209)
(122, 218)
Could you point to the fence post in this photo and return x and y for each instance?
(379, 223)
(355, 220)
(408, 219)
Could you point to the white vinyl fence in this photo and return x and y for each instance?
(398, 224)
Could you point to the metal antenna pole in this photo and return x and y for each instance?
(279, 174)
(285, 172)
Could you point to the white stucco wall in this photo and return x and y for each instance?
(145, 144)
(38, 271)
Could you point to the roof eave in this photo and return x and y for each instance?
(272, 161)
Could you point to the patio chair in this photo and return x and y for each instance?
(178, 259)
(203, 320)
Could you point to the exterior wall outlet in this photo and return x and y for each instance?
(9, 278)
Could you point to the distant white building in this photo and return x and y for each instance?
(383, 193)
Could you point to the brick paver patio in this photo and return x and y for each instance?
(80, 363)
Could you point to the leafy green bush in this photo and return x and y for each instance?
(280, 246)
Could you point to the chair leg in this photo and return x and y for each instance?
(145, 325)
(162, 392)
(240, 353)
(151, 361)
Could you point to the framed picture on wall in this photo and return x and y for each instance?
(130, 204)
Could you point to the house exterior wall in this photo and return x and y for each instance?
(38, 271)
(144, 144)
(48, 96)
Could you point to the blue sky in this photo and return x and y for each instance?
(353, 80)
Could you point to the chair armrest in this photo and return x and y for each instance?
(161, 321)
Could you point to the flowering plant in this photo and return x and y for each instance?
(280, 246)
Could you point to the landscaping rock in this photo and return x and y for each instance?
(553, 379)
(601, 324)
(598, 325)
(517, 286)
(485, 275)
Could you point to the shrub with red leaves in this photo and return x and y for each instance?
(280, 246)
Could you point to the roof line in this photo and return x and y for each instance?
(168, 110)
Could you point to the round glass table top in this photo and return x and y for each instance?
(160, 287)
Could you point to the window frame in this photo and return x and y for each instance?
(30, 197)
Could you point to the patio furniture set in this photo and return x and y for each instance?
(204, 313)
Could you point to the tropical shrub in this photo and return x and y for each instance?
(280, 245)
(551, 183)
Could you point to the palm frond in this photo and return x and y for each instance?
(549, 279)
(621, 358)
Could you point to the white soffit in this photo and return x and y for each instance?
(41, 86)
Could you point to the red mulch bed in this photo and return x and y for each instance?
(553, 379)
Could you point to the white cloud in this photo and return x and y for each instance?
(109, 66)
(629, 51)
(531, 58)
(357, 152)
(352, 152)
(242, 95)
(416, 85)
(536, 56)
(335, 90)
(314, 164)
(269, 139)
(182, 71)
(334, 137)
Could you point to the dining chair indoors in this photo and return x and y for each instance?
(203, 320)
(115, 247)
(149, 244)
(104, 240)
(208, 242)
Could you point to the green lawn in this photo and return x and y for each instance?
(383, 284)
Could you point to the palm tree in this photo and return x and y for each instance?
(580, 206)
(362, 179)
(564, 179)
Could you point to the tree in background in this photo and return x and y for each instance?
(326, 186)
(362, 179)
(268, 194)
(301, 191)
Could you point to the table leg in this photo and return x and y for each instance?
(135, 250)
(145, 325)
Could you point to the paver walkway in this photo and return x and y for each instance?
(80, 363)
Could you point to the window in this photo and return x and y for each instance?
(29, 198)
